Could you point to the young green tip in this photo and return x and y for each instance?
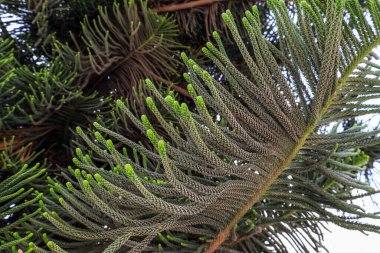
(177, 107)
(79, 130)
(110, 145)
(70, 169)
(144, 118)
(206, 75)
(248, 13)
(119, 103)
(201, 102)
(197, 69)
(86, 184)
(24, 167)
(129, 171)
(191, 90)
(255, 9)
(186, 76)
(69, 185)
(50, 244)
(78, 151)
(98, 136)
(225, 16)
(61, 200)
(76, 161)
(96, 125)
(99, 178)
(169, 100)
(45, 214)
(305, 5)
(184, 57)
(88, 158)
(77, 173)
(192, 62)
(149, 102)
(216, 35)
(90, 178)
(149, 84)
(161, 147)
(246, 22)
(206, 51)
(185, 110)
(151, 136)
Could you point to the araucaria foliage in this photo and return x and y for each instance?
(253, 162)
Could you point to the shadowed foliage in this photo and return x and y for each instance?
(18, 177)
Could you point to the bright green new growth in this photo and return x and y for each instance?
(129, 171)
(261, 173)
(161, 147)
(151, 136)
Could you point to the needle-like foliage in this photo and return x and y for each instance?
(122, 45)
(248, 168)
(37, 104)
(18, 177)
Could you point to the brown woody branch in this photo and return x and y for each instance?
(183, 6)
(192, 4)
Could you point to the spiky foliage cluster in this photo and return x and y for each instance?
(43, 96)
(129, 52)
(122, 47)
(198, 19)
(248, 167)
(18, 197)
(38, 104)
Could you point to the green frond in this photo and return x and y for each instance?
(18, 197)
(249, 166)
(124, 45)
(36, 104)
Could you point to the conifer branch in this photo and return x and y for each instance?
(185, 5)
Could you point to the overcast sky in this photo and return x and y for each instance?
(341, 240)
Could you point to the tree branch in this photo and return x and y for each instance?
(192, 4)
(183, 6)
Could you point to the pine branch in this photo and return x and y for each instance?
(185, 5)
(190, 5)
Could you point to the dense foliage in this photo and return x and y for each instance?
(124, 130)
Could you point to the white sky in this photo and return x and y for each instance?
(341, 240)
